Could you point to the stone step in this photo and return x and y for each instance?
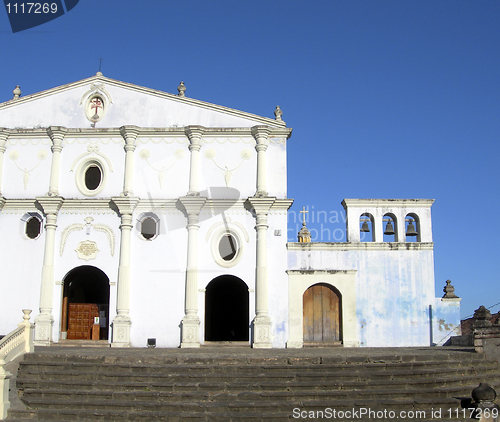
(44, 363)
(152, 356)
(169, 385)
(118, 416)
(205, 375)
(260, 385)
(83, 343)
(32, 396)
(107, 411)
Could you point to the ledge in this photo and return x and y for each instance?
(360, 246)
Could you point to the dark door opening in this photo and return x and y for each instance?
(226, 310)
(322, 314)
(85, 297)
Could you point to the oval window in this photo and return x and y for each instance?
(148, 228)
(93, 177)
(33, 228)
(228, 247)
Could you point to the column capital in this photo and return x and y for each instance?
(4, 135)
(192, 204)
(57, 134)
(125, 205)
(194, 133)
(129, 134)
(50, 204)
(2, 202)
(261, 133)
(260, 205)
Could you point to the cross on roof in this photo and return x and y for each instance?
(304, 215)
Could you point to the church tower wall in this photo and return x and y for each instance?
(394, 282)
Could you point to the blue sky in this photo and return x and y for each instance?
(387, 99)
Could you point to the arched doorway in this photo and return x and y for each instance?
(85, 297)
(226, 310)
(322, 306)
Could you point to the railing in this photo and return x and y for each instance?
(13, 345)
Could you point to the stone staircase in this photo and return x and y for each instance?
(223, 384)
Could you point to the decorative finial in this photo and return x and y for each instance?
(98, 74)
(449, 291)
(482, 317)
(182, 89)
(278, 113)
(304, 235)
(17, 92)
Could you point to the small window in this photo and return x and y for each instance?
(228, 247)
(33, 228)
(148, 228)
(93, 177)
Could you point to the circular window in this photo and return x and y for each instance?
(228, 247)
(93, 177)
(33, 228)
(90, 177)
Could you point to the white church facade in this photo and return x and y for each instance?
(129, 214)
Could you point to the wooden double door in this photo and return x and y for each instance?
(81, 321)
(322, 314)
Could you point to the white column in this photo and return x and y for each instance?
(4, 135)
(129, 134)
(122, 322)
(262, 322)
(56, 134)
(194, 134)
(45, 320)
(261, 134)
(190, 325)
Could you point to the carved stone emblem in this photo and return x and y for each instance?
(96, 101)
(87, 250)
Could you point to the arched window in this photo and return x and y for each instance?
(390, 227)
(412, 228)
(148, 226)
(366, 228)
(33, 227)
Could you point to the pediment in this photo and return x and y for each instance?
(102, 102)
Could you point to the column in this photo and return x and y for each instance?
(56, 134)
(121, 322)
(129, 134)
(262, 322)
(261, 134)
(194, 134)
(45, 320)
(4, 135)
(190, 325)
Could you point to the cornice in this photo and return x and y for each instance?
(282, 204)
(87, 203)
(145, 132)
(149, 91)
(320, 272)
(360, 246)
(18, 204)
(393, 203)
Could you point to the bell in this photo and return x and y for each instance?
(410, 230)
(364, 227)
(389, 230)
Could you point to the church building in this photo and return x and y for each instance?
(138, 217)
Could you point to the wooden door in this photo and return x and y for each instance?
(321, 314)
(81, 320)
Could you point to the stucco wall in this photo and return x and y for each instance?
(394, 287)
